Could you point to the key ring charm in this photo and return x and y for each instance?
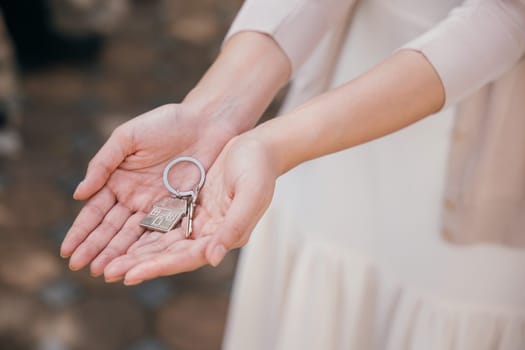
(176, 161)
(169, 211)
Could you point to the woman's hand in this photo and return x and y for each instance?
(238, 190)
(124, 179)
(241, 182)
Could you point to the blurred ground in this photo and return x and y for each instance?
(155, 58)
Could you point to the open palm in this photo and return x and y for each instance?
(123, 180)
(238, 190)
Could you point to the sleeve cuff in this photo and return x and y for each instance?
(477, 43)
(297, 26)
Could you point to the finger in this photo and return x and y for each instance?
(149, 244)
(163, 242)
(118, 267)
(100, 237)
(87, 220)
(188, 257)
(107, 159)
(242, 216)
(147, 238)
(120, 243)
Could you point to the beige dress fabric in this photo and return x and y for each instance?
(485, 194)
(350, 253)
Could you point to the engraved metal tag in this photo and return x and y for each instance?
(165, 214)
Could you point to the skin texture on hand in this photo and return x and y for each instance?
(124, 178)
(127, 170)
(241, 182)
(238, 190)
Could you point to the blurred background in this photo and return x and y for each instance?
(70, 71)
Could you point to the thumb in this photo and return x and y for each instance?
(245, 211)
(102, 165)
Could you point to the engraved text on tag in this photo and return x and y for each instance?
(165, 214)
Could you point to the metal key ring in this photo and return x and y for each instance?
(177, 161)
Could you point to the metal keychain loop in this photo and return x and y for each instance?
(177, 161)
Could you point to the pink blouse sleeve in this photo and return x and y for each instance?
(296, 25)
(474, 45)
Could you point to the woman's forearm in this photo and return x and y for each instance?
(242, 81)
(396, 93)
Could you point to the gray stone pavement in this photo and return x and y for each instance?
(154, 58)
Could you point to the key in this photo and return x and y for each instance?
(165, 214)
(169, 211)
(192, 202)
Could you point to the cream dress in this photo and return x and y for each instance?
(350, 255)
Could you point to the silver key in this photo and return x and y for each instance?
(192, 202)
(169, 211)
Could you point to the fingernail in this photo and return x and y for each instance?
(94, 273)
(217, 255)
(113, 279)
(131, 283)
(64, 252)
(76, 189)
(74, 268)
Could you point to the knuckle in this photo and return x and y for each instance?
(111, 252)
(99, 165)
(199, 254)
(93, 210)
(90, 249)
(119, 131)
(169, 107)
(237, 234)
(128, 235)
(243, 241)
(92, 163)
(120, 134)
(164, 267)
(108, 226)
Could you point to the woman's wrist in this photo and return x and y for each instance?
(278, 138)
(379, 102)
(242, 82)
